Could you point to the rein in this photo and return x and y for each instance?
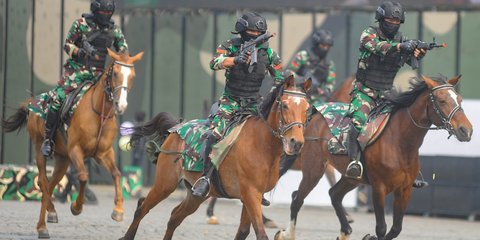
(282, 129)
(446, 120)
(110, 92)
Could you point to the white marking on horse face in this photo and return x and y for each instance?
(296, 99)
(453, 95)
(122, 102)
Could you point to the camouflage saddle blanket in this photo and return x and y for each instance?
(337, 118)
(194, 132)
(40, 104)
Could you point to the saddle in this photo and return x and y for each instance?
(338, 119)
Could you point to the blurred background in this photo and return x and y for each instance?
(179, 38)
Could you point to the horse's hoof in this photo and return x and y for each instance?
(212, 220)
(369, 237)
(117, 216)
(74, 211)
(278, 235)
(43, 234)
(270, 224)
(52, 217)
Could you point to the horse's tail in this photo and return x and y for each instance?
(159, 125)
(286, 162)
(17, 120)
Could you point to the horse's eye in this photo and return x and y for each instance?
(115, 74)
(284, 106)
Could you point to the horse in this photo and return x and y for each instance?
(256, 152)
(391, 161)
(91, 133)
(341, 94)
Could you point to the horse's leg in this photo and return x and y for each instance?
(61, 166)
(77, 156)
(166, 179)
(337, 193)
(251, 199)
(108, 161)
(188, 206)
(244, 228)
(330, 174)
(402, 197)
(310, 178)
(378, 199)
(211, 218)
(43, 184)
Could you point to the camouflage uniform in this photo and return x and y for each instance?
(364, 98)
(305, 64)
(77, 72)
(229, 103)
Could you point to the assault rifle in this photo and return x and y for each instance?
(250, 47)
(89, 49)
(420, 45)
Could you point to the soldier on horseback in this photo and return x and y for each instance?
(86, 45)
(381, 53)
(313, 63)
(242, 83)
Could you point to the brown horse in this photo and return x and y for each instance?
(392, 161)
(92, 130)
(341, 94)
(249, 169)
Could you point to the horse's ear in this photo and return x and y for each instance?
(430, 83)
(289, 81)
(137, 57)
(454, 80)
(307, 85)
(113, 54)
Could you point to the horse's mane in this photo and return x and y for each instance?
(268, 101)
(417, 86)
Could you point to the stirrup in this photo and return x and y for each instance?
(47, 148)
(358, 163)
(195, 187)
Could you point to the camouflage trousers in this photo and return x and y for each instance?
(227, 106)
(363, 100)
(71, 79)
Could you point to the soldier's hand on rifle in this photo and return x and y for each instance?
(407, 46)
(80, 54)
(242, 58)
(419, 53)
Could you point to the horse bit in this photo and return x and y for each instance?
(446, 120)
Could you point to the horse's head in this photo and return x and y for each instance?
(445, 108)
(291, 114)
(120, 78)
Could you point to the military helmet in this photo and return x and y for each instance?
(102, 5)
(250, 21)
(322, 36)
(390, 9)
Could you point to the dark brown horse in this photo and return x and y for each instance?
(341, 94)
(92, 130)
(391, 162)
(249, 169)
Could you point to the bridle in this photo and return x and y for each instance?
(110, 90)
(283, 127)
(445, 119)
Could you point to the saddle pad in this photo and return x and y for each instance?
(336, 116)
(39, 105)
(193, 133)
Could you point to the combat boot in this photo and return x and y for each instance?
(201, 187)
(355, 168)
(50, 128)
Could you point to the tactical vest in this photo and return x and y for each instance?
(100, 39)
(381, 70)
(240, 83)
